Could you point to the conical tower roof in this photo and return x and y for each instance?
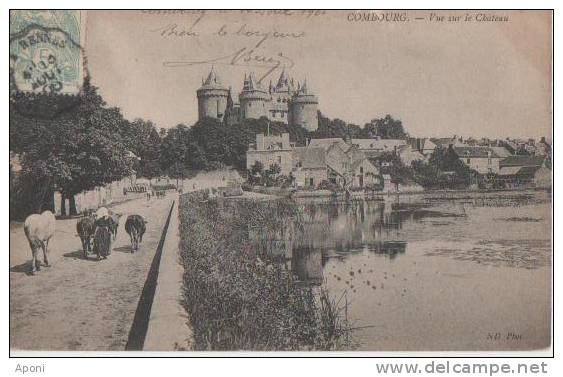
(213, 81)
(252, 88)
(303, 95)
(283, 80)
(230, 104)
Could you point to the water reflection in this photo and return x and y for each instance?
(384, 227)
(337, 229)
(408, 264)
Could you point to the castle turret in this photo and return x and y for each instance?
(212, 97)
(303, 109)
(280, 97)
(254, 99)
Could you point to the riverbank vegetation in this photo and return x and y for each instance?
(238, 297)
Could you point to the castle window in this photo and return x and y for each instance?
(273, 114)
(279, 99)
(250, 104)
(279, 159)
(468, 160)
(282, 114)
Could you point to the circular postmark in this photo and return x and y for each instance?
(45, 51)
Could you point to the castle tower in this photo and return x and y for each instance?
(254, 99)
(303, 109)
(212, 97)
(281, 96)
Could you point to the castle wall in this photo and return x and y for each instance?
(305, 115)
(253, 108)
(212, 106)
(279, 107)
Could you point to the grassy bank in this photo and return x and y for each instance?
(237, 297)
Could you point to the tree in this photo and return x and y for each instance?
(330, 128)
(255, 173)
(72, 150)
(444, 170)
(257, 168)
(174, 148)
(395, 168)
(144, 140)
(385, 128)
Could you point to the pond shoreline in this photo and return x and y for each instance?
(276, 192)
(236, 296)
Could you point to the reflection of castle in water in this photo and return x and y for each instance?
(336, 229)
(353, 225)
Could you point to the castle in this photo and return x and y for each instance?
(284, 102)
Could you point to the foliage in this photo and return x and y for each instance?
(385, 128)
(399, 172)
(237, 296)
(174, 149)
(444, 170)
(73, 150)
(144, 141)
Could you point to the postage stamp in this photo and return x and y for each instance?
(45, 50)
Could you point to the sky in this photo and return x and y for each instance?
(440, 77)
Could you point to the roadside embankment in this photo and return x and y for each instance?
(169, 328)
(237, 297)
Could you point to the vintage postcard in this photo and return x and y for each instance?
(280, 180)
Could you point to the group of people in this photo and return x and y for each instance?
(159, 194)
(134, 189)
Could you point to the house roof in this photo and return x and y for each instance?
(518, 170)
(310, 157)
(522, 161)
(378, 144)
(356, 164)
(509, 170)
(501, 151)
(329, 142)
(482, 152)
(444, 141)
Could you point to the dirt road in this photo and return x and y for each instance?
(79, 304)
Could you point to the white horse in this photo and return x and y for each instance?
(39, 229)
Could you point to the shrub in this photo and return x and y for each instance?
(237, 297)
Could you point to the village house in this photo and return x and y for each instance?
(408, 155)
(322, 160)
(543, 148)
(270, 150)
(347, 163)
(445, 142)
(425, 146)
(524, 171)
(378, 145)
(483, 160)
(309, 166)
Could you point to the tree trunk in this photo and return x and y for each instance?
(63, 204)
(72, 206)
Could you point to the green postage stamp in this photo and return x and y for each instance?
(46, 54)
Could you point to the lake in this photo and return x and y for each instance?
(430, 272)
